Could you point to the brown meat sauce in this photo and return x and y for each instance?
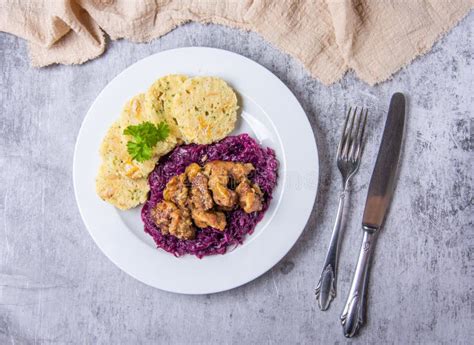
(199, 196)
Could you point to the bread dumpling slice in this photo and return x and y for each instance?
(120, 191)
(159, 97)
(205, 109)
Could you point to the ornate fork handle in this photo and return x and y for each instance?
(353, 314)
(349, 153)
(326, 288)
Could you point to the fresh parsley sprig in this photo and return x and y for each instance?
(144, 138)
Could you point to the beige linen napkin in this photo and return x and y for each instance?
(375, 38)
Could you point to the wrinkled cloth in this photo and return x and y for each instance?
(375, 38)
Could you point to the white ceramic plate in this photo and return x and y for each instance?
(270, 113)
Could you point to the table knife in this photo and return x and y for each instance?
(379, 196)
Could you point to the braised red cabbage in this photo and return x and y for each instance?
(239, 148)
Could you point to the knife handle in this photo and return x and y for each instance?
(352, 316)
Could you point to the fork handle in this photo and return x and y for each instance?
(326, 288)
(352, 316)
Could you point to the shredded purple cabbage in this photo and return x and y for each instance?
(208, 241)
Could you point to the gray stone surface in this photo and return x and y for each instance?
(57, 287)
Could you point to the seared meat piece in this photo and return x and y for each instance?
(222, 195)
(176, 190)
(200, 195)
(201, 198)
(173, 220)
(192, 170)
(250, 196)
(214, 219)
(238, 171)
(220, 174)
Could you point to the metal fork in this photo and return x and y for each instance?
(349, 153)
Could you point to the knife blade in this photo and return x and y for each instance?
(381, 185)
(379, 196)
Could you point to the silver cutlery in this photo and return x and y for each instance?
(379, 196)
(349, 154)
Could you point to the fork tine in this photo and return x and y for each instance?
(363, 126)
(355, 136)
(348, 135)
(343, 135)
(360, 138)
(362, 134)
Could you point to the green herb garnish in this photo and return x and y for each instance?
(145, 136)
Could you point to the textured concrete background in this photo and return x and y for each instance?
(56, 287)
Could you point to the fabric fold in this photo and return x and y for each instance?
(329, 37)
